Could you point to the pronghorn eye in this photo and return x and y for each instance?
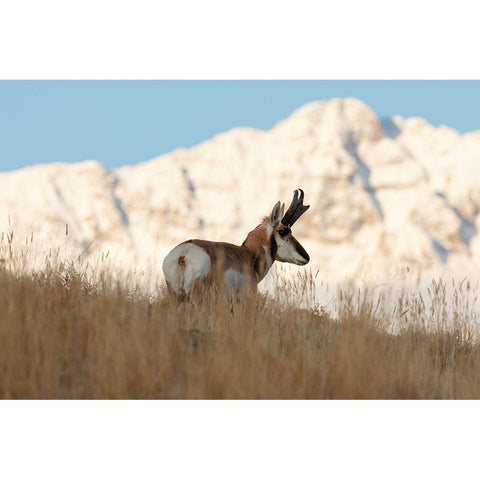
(284, 231)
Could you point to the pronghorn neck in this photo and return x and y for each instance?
(261, 243)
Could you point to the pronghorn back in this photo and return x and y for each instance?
(196, 262)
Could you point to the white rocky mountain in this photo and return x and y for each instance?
(384, 194)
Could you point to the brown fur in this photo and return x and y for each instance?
(254, 243)
(249, 258)
(231, 256)
(226, 255)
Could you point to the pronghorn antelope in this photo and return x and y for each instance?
(196, 263)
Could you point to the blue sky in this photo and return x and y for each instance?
(126, 122)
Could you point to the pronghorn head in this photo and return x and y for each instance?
(284, 247)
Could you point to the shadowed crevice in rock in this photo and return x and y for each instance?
(118, 202)
(188, 181)
(441, 250)
(389, 128)
(121, 211)
(190, 187)
(364, 173)
(468, 230)
(120, 208)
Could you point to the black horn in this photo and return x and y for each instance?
(295, 210)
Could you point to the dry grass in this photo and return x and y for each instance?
(63, 336)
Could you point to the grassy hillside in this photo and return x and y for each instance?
(64, 336)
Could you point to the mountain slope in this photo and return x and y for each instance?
(384, 194)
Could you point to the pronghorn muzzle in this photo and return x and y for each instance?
(301, 251)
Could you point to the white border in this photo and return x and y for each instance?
(231, 439)
(371, 39)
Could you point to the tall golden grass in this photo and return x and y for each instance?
(67, 335)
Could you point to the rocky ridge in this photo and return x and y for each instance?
(386, 195)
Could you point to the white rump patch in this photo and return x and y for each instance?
(196, 266)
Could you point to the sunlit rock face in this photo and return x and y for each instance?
(386, 195)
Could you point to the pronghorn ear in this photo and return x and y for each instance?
(277, 213)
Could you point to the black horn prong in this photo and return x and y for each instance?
(295, 197)
(296, 209)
